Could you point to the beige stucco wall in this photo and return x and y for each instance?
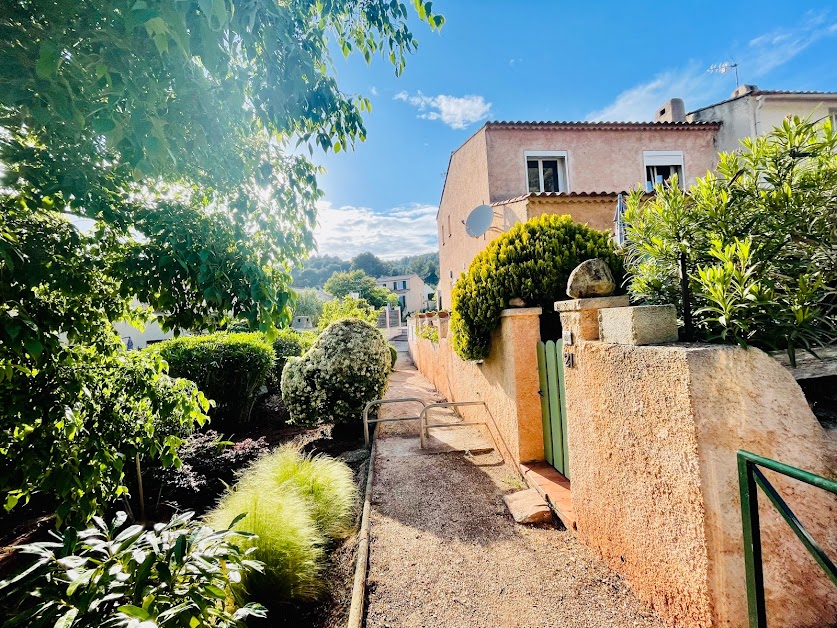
(506, 381)
(598, 159)
(653, 432)
(466, 187)
(594, 212)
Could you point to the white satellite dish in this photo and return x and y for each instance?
(479, 220)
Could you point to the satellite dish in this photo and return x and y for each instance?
(479, 220)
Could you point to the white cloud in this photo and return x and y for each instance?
(691, 83)
(456, 112)
(373, 90)
(347, 231)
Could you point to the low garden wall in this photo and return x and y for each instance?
(507, 381)
(653, 433)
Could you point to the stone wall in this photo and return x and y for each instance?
(507, 381)
(653, 433)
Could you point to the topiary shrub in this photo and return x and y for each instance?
(294, 504)
(228, 368)
(393, 357)
(346, 368)
(532, 261)
(289, 343)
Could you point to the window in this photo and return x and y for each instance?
(402, 302)
(833, 115)
(546, 171)
(395, 285)
(661, 165)
(403, 285)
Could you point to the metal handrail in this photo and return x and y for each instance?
(749, 478)
(379, 402)
(424, 426)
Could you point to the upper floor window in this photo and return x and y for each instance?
(833, 115)
(660, 165)
(546, 171)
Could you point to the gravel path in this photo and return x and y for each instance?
(445, 552)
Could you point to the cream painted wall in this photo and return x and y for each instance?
(755, 114)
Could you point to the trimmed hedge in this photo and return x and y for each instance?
(228, 368)
(532, 261)
(347, 367)
(393, 357)
(289, 343)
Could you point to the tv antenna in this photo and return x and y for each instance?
(723, 68)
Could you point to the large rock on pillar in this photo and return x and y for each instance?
(591, 278)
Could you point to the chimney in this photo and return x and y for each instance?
(743, 90)
(673, 111)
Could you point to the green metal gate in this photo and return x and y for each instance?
(553, 405)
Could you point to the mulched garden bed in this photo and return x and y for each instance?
(197, 485)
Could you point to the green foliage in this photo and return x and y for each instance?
(227, 368)
(315, 271)
(132, 115)
(429, 332)
(347, 367)
(288, 343)
(342, 284)
(180, 574)
(371, 264)
(73, 431)
(308, 303)
(758, 239)
(293, 504)
(347, 307)
(532, 261)
(393, 357)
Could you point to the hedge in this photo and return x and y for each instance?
(289, 343)
(228, 368)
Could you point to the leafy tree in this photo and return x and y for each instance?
(371, 265)
(308, 303)
(167, 124)
(347, 307)
(316, 270)
(756, 243)
(343, 284)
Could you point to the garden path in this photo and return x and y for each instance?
(445, 553)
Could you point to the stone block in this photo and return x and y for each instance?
(528, 507)
(638, 325)
(591, 278)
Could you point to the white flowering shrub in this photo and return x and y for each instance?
(346, 368)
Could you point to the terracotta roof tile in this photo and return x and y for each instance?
(541, 195)
(602, 125)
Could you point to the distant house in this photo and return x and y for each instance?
(751, 111)
(525, 169)
(413, 294)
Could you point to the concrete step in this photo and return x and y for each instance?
(528, 507)
(543, 478)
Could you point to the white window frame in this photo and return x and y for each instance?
(668, 158)
(540, 155)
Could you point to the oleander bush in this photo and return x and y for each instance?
(181, 573)
(294, 504)
(227, 368)
(347, 367)
(288, 343)
(757, 241)
(532, 261)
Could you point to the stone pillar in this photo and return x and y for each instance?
(580, 317)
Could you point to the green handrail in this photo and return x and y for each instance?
(749, 479)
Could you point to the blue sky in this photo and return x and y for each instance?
(544, 60)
